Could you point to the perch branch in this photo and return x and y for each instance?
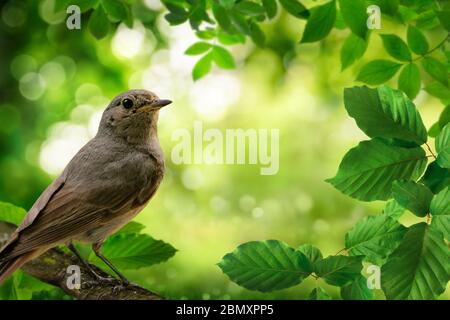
(51, 268)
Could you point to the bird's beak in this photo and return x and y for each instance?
(155, 105)
(160, 103)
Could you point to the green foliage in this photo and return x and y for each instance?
(413, 196)
(378, 71)
(374, 237)
(393, 209)
(311, 252)
(414, 260)
(417, 41)
(320, 22)
(440, 209)
(12, 214)
(98, 23)
(353, 49)
(272, 265)
(357, 290)
(435, 177)
(385, 113)
(436, 69)
(355, 17)
(418, 269)
(134, 251)
(265, 265)
(339, 270)
(409, 80)
(443, 147)
(379, 165)
(295, 8)
(396, 47)
(319, 294)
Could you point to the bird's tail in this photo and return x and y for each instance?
(9, 266)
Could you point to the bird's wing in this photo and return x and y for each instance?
(37, 207)
(42, 201)
(70, 211)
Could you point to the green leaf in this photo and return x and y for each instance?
(115, 8)
(396, 47)
(134, 251)
(198, 48)
(131, 227)
(436, 178)
(418, 269)
(295, 8)
(393, 209)
(12, 214)
(98, 23)
(374, 237)
(176, 19)
(444, 118)
(320, 22)
(223, 58)
(413, 196)
(249, 8)
(339, 270)
(435, 69)
(427, 20)
(202, 67)
(409, 80)
(227, 4)
(206, 34)
(378, 71)
(368, 170)
(319, 294)
(389, 7)
(240, 22)
(257, 35)
(444, 18)
(84, 5)
(265, 265)
(271, 8)
(440, 209)
(443, 147)
(353, 49)
(312, 253)
(385, 112)
(357, 290)
(417, 41)
(229, 39)
(10, 290)
(434, 130)
(438, 90)
(355, 16)
(221, 16)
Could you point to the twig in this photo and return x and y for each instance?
(431, 151)
(51, 268)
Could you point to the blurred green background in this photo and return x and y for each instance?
(55, 82)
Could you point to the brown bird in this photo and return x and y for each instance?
(107, 183)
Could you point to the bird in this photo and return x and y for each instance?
(105, 185)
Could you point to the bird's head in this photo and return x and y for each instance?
(132, 114)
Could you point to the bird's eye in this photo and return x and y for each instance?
(127, 103)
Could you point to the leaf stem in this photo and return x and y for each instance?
(431, 151)
(343, 249)
(432, 50)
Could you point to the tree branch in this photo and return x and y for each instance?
(51, 268)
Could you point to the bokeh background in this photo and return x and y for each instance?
(55, 83)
